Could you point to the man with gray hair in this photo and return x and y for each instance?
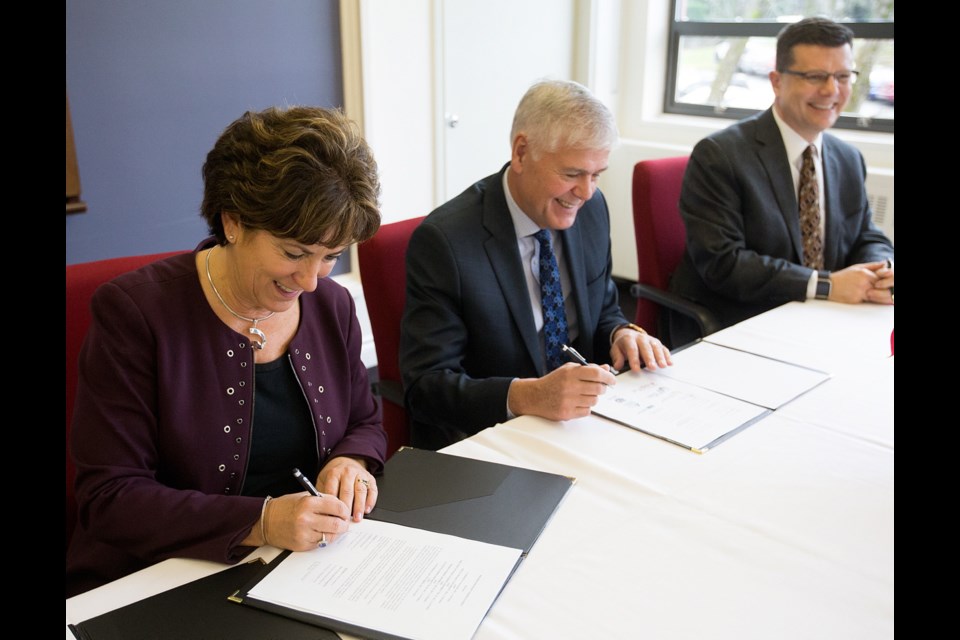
(504, 277)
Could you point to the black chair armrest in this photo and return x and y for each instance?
(704, 317)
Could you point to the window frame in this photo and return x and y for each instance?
(680, 28)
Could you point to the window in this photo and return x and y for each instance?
(720, 53)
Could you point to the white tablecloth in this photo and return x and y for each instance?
(783, 531)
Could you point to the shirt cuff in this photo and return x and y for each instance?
(812, 285)
(510, 415)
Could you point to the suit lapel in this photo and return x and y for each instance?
(504, 257)
(774, 159)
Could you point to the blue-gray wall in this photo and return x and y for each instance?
(151, 86)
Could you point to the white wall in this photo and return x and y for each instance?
(397, 47)
(390, 44)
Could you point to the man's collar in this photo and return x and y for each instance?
(522, 223)
(793, 142)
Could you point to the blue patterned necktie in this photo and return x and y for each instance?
(551, 297)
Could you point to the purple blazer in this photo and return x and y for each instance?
(162, 426)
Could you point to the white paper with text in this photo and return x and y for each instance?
(404, 581)
(682, 413)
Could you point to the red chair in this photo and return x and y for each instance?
(661, 240)
(82, 280)
(383, 275)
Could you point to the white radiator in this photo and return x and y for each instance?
(880, 196)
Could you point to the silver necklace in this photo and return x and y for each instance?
(254, 331)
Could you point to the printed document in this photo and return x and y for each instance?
(675, 411)
(393, 579)
(709, 394)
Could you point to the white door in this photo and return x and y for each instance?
(492, 51)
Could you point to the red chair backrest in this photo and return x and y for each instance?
(82, 280)
(660, 233)
(383, 275)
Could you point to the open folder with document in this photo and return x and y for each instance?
(386, 581)
(710, 393)
(429, 561)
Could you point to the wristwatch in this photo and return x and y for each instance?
(626, 325)
(823, 285)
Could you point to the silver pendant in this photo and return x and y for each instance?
(260, 334)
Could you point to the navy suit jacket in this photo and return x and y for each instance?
(744, 248)
(468, 328)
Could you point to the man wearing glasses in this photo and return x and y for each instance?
(775, 208)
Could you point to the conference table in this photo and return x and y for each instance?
(783, 531)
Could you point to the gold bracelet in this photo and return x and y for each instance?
(263, 520)
(628, 325)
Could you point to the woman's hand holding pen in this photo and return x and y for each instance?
(300, 521)
(303, 521)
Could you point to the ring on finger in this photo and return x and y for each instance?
(364, 482)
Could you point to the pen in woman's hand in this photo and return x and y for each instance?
(312, 490)
(305, 483)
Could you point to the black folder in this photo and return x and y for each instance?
(473, 499)
(199, 610)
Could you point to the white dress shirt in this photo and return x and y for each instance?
(795, 145)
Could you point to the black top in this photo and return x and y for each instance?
(283, 436)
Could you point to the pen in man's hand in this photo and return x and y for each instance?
(575, 354)
(579, 358)
(306, 484)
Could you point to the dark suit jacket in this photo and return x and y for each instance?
(468, 328)
(744, 250)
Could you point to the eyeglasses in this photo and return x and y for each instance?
(819, 78)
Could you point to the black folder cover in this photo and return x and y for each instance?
(474, 499)
(201, 610)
